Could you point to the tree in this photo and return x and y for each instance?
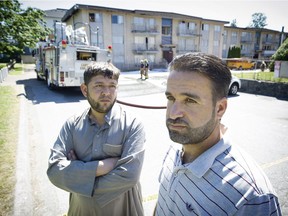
(19, 28)
(280, 55)
(234, 52)
(233, 23)
(258, 20)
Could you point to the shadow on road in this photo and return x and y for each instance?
(44, 95)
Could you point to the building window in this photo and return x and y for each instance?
(166, 26)
(191, 25)
(91, 17)
(166, 30)
(205, 27)
(98, 18)
(116, 19)
(217, 28)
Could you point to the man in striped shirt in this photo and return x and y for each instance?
(207, 174)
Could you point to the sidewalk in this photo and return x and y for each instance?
(13, 79)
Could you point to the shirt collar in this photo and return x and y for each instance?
(205, 161)
(108, 117)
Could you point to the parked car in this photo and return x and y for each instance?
(235, 85)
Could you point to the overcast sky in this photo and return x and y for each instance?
(275, 11)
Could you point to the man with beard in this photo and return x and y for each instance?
(98, 155)
(208, 175)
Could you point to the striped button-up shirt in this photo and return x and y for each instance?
(221, 181)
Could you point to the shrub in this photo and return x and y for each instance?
(280, 55)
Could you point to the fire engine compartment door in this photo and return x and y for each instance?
(83, 58)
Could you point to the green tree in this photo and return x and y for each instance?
(234, 52)
(258, 20)
(280, 55)
(19, 28)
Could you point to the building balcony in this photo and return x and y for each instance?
(268, 52)
(144, 48)
(247, 53)
(188, 33)
(138, 28)
(186, 50)
(270, 41)
(246, 40)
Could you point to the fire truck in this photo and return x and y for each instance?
(61, 59)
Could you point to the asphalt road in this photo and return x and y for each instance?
(258, 123)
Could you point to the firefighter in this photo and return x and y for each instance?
(142, 69)
(263, 66)
(146, 68)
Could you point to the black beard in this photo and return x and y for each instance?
(97, 106)
(192, 135)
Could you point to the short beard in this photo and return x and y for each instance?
(193, 135)
(97, 106)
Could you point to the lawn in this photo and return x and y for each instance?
(263, 76)
(9, 116)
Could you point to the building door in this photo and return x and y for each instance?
(168, 55)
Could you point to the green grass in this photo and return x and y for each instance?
(262, 76)
(9, 115)
(17, 70)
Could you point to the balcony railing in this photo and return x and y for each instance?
(166, 39)
(185, 50)
(270, 41)
(268, 52)
(246, 40)
(142, 47)
(187, 32)
(138, 28)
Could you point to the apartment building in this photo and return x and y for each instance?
(51, 16)
(255, 43)
(159, 36)
(135, 34)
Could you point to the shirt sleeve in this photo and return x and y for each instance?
(72, 176)
(264, 205)
(127, 171)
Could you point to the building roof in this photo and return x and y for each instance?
(253, 29)
(76, 7)
(57, 13)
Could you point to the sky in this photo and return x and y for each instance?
(240, 10)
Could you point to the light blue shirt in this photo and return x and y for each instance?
(221, 181)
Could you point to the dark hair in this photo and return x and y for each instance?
(107, 69)
(208, 65)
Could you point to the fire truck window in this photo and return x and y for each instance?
(86, 56)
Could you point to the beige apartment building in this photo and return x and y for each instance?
(255, 43)
(159, 36)
(135, 34)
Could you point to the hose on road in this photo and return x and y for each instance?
(141, 106)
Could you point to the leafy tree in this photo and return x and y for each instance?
(233, 23)
(280, 55)
(19, 28)
(258, 20)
